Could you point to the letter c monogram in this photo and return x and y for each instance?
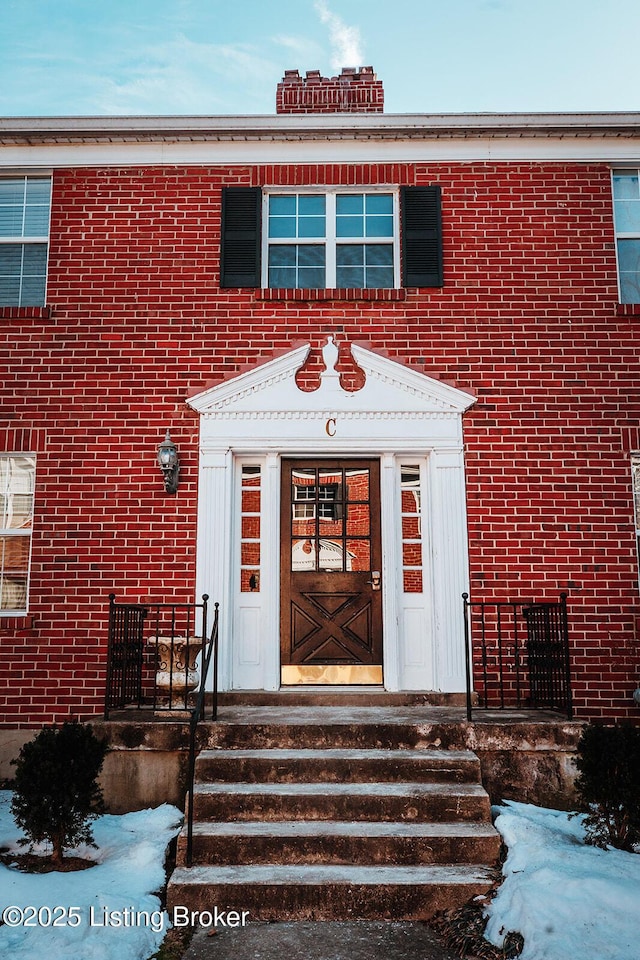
(331, 427)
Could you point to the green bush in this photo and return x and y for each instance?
(56, 794)
(608, 785)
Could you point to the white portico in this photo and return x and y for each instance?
(407, 422)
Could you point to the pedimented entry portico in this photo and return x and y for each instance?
(409, 426)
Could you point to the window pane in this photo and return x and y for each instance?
(311, 205)
(350, 278)
(17, 484)
(629, 264)
(282, 256)
(282, 206)
(311, 279)
(9, 292)
(350, 255)
(10, 259)
(24, 206)
(379, 203)
(282, 227)
(357, 484)
(625, 186)
(32, 292)
(12, 190)
(349, 203)
(379, 227)
(251, 501)
(311, 227)
(358, 555)
(36, 221)
(38, 190)
(358, 520)
(11, 221)
(379, 278)
(283, 278)
(627, 216)
(412, 580)
(250, 554)
(379, 254)
(35, 259)
(349, 226)
(311, 256)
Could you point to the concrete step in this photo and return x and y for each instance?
(300, 729)
(327, 892)
(337, 765)
(423, 802)
(323, 841)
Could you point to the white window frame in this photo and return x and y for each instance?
(619, 234)
(10, 532)
(635, 495)
(330, 241)
(21, 240)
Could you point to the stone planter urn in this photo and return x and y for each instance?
(176, 672)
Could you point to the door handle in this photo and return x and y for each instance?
(376, 580)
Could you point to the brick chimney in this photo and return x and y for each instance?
(354, 91)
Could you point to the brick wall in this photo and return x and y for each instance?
(136, 322)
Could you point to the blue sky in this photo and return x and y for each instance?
(95, 57)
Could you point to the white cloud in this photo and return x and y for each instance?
(346, 42)
(183, 76)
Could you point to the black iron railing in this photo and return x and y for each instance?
(197, 714)
(152, 655)
(517, 655)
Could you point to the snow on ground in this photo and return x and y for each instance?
(116, 913)
(567, 899)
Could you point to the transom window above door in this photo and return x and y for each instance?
(331, 240)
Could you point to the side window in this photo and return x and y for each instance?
(24, 236)
(635, 482)
(250, 539)
(17, 488)
(335, 239)
(626, 205)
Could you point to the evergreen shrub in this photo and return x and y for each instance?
(608, 785)
(56, 793)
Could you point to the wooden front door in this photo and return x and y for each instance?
(331, 562)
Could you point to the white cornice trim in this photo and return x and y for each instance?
(207, 152)
(424, 126)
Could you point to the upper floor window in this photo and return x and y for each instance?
(17, 483)
(24, 235)
(626, 203)
(335, 238)
(330, 240)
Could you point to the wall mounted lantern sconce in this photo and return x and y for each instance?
(169, 463)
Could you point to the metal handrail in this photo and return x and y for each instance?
(536, 667)
(197, 714)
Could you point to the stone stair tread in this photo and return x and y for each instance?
(324, 874)
(353, 753)
(409, 789)
(318, 828)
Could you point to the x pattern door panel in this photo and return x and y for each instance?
(330, 531)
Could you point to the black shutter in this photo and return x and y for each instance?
(421, 237)
(240, 242)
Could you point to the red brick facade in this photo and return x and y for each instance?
(136, 321)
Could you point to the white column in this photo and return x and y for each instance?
(214, 546)
(270, 565)
(450, 568)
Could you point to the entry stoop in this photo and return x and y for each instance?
(334, 832)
